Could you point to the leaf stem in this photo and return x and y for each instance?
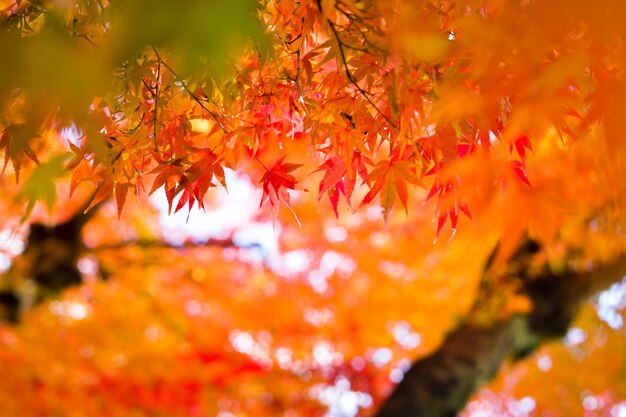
(259, 161)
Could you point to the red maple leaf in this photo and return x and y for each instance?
(276, 181)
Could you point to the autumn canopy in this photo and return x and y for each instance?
(312, 207)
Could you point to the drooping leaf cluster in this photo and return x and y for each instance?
(380, 97)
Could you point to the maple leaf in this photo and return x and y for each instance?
(80, 167)
(188, 195)
(357, 168)
(103, 191)
(14, 140)
(448, 204)
(121, 190)
(207, 167)
(168, 176)
(519, 170)
(390, 179)
(276, 181)
(521, 144)
(465, 149)
(40, 186)
(333, 181)
(335, 170)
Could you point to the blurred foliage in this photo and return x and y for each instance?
(59, 55)
(486, 120)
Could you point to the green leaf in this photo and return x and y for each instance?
(40, 185)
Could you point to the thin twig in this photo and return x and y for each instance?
(134, 129)
(351, 77)
(156, 104)
(354, 21)
(191, 94)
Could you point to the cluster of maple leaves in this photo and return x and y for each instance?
(377, 97)
(339, 89)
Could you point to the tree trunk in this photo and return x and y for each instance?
(49, 261)
(440, 384)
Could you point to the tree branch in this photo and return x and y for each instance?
(440, 384)
(49, 261)
(159, 244)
